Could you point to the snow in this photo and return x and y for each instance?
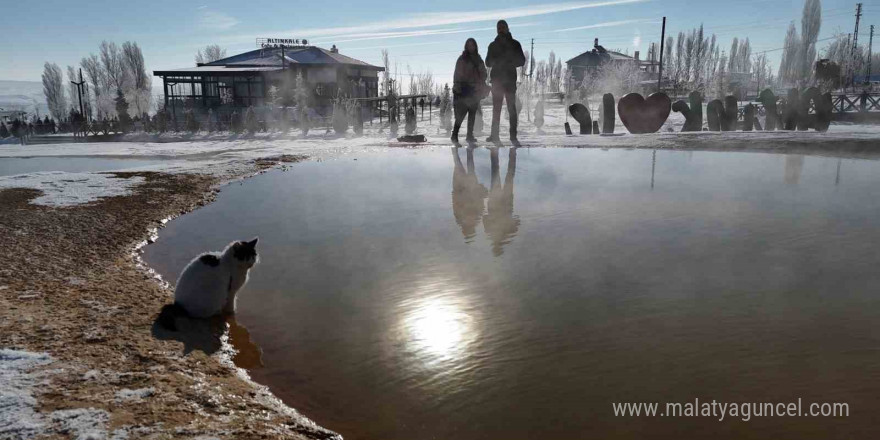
(230, 154)
(139, 394)
(68, 189)
(17, 380)
(20, 376)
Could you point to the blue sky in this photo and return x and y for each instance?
(423, 35)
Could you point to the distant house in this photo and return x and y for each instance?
(589, 62)
(245, 79)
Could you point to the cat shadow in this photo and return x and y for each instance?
(207, 335)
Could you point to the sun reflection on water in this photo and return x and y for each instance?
(437, 324)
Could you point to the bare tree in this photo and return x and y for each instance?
(210, 53)
(53, 88)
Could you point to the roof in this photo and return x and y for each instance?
(595, 57)
(297, 55)
(269, 59)
(218, 70)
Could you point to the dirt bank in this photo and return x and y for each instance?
(71, 286)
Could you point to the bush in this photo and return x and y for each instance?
(4, 132)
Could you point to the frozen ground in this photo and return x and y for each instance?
(225, 154)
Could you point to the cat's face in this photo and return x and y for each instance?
(245, 252)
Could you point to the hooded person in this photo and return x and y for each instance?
(504, 56)
(468, 87)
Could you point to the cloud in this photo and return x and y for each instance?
(607, 24)
(435, 19)
(408, 34)
(215, 20)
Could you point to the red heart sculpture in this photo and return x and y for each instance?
(641, 115)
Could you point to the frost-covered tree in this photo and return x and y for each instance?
(811, 22)
(53, 88)
(139, 83)
(790, 62)
(210, 53)
(103, 100)
(112, 63)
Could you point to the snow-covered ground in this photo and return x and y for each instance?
(21, 374)
(224, 154)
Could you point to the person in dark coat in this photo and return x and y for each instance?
(504, 56)
(467, 82)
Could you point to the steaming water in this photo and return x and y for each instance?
(400, 297)
(13, 166)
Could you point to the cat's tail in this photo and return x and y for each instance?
(169, 314)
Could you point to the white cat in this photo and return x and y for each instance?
(208, 284)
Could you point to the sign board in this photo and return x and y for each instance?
(281, 42)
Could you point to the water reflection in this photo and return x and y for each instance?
(208, 335)
(436, 322)
(379, 321)
(467, 195)
(794, 165)
(500, 223)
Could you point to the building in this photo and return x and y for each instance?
(590, 61)
(248, 79)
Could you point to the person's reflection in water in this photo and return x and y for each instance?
(500, 223)
(467, 195)
(794, 165)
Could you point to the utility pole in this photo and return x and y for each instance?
(852, 53)
(662, 41)
(79, 86)
(532, 56)
(870, 46)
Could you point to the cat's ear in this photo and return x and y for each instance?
(253, 243)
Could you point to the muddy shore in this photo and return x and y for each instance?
(72, 286)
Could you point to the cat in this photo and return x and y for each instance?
(208, 285)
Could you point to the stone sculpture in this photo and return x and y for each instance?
(607, 113)
(772, 120)
(693, 113)
(581, 114)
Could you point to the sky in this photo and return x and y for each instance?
(421, 35)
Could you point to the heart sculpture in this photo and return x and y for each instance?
(640, 115)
